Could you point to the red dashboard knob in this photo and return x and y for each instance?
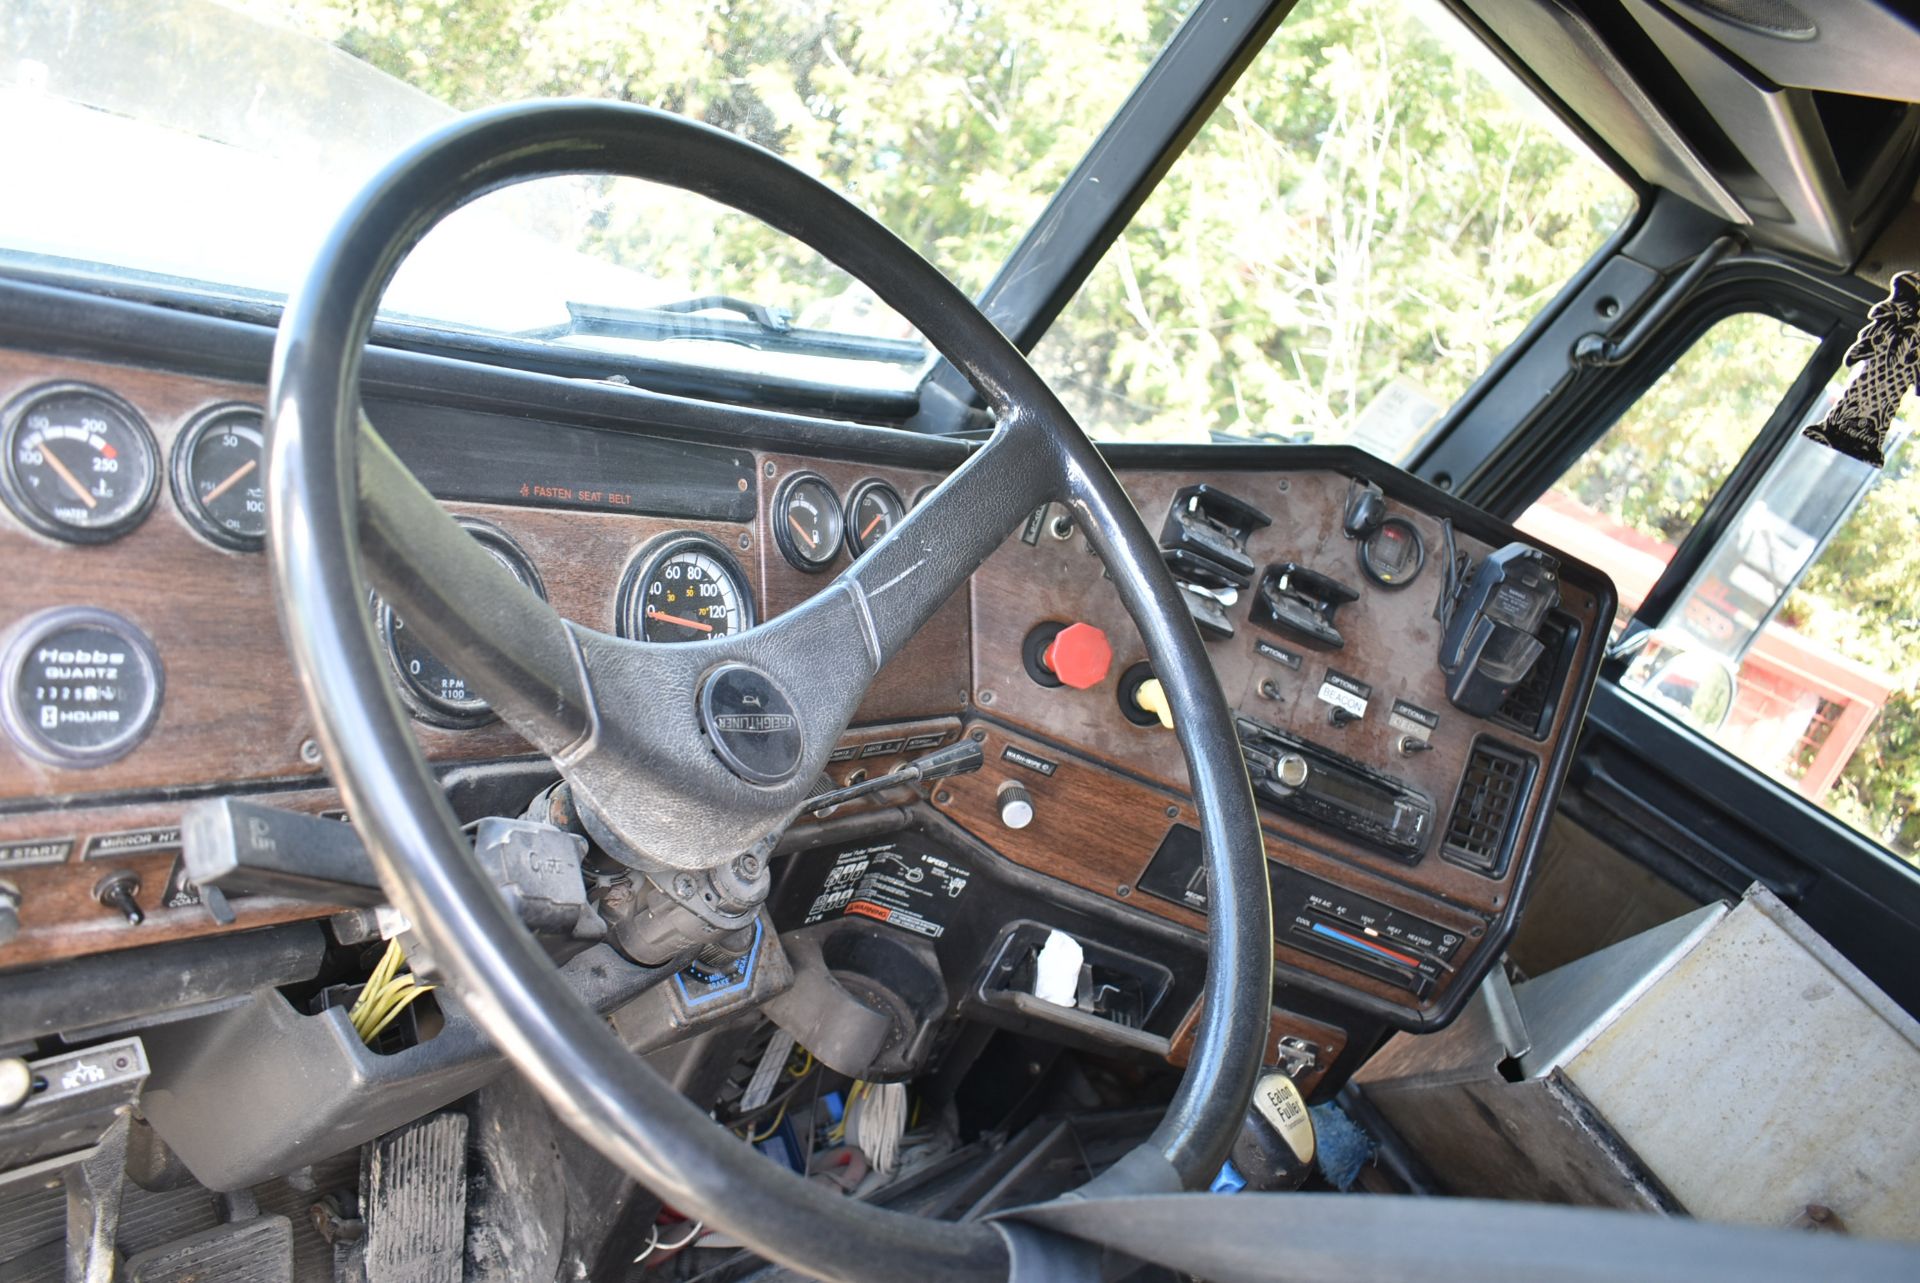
(1079, 656)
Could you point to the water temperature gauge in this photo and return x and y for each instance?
(80, 463)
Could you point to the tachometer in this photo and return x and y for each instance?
(217, 479)
(807, 522)
(873, 509)
(80, 464)
(684, 588)
(432, 690)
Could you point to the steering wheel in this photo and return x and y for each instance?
(628, 723)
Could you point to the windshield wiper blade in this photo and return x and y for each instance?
(754, 325)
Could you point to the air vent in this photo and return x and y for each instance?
(1530, 706)
(1486, 810)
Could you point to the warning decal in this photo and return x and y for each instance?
(902, 888)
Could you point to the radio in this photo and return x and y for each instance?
(1336, 792)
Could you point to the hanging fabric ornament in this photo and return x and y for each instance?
(1886, 361)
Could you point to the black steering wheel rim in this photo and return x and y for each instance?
(336, 493)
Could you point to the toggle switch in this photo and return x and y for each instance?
(1151, 696)
(119, 891)
(9, 913)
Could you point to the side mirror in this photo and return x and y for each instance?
(1672, 670)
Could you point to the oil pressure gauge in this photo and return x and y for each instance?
(807, 522)
(217, 480)
(80, 463)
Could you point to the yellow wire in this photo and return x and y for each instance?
(385, 995)
(397, 994)
(801, 1071)
(382, 972)
(374, 997)
(853, 1094)
(772, 1127)
(406, 999)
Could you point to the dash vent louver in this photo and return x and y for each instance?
(1486, 810)
(1529, 707)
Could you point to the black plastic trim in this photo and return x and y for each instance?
(1213, 47)
(519, 353)
(1535, 453)
(1723, 507)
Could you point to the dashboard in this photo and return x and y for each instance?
(1403, 799)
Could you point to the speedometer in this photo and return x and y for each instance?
(684, 588)
(80, 463)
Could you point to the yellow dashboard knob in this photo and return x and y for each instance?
(1153, 697)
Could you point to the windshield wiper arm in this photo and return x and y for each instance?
(754, 325)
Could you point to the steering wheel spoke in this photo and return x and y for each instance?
(469, 609)
(922, 562)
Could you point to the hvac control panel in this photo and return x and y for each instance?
(1319, 917)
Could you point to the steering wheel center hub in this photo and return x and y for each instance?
(751, 724)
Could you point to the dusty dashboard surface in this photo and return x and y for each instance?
(1403, 803)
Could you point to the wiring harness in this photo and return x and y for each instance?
(388, 992)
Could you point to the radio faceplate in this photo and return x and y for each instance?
(1336, 792)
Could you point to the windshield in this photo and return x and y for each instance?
(1370, 216)
(210, 145)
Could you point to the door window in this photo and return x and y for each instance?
(1629, 501)
(1795, 642)
(1805, 619)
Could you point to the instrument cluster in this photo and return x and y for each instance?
(82, 682)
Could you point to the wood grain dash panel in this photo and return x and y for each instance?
(1099, 830)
